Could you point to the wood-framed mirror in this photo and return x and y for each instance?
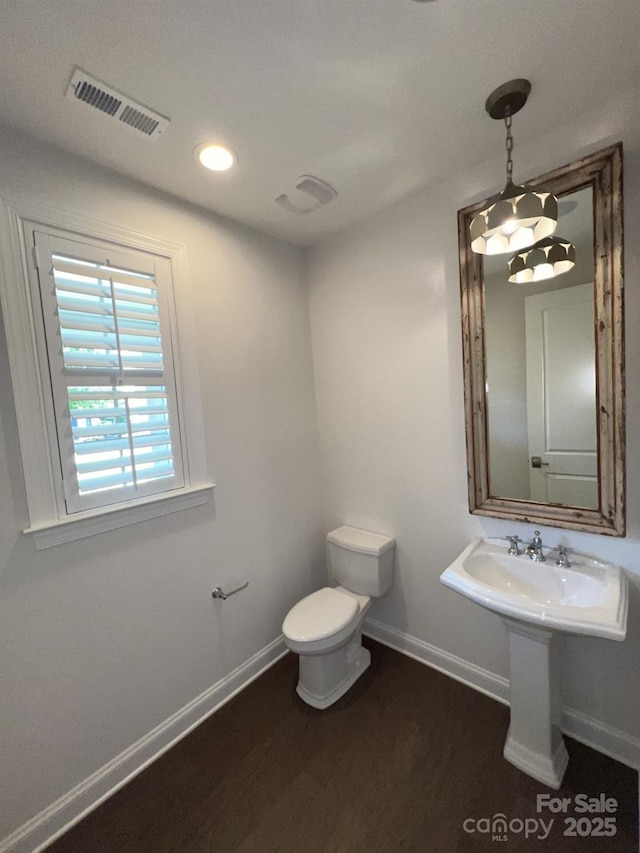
(544, 365)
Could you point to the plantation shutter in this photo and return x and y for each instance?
(109, 320)
(111, 367)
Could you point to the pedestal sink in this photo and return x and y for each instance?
(538, 600)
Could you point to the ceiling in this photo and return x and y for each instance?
(376, 97)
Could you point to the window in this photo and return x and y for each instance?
(111, 371)
(115, 436)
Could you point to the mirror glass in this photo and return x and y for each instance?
(541, 374)
(544, 365)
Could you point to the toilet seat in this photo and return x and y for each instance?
(322, 614)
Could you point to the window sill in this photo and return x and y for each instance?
(88, 523)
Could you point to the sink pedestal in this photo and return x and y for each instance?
(536, 600)
(534, 742)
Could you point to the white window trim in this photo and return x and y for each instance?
(32, 397)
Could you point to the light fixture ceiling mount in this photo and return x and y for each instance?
(508, 99)
(519, 215)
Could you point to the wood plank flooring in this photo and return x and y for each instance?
(396, 766)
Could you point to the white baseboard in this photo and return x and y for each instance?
(600, 736)
(495, 686)
(53, 821)
(605, 738)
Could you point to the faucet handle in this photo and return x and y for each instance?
(563, 556)
(513, 545)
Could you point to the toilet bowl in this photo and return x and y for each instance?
(325, 628)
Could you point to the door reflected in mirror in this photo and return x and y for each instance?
(541, 374)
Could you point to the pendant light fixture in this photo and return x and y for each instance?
(520, 215)
(545, 259)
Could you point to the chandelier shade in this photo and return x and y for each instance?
(520, 215)
(516, 218)
(546, 259)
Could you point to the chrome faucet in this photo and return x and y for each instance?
(534, 549)
(514, 551)
(563, 557)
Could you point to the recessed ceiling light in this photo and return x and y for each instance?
(217, 157)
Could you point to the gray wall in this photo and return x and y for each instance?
(104, 638)
(385, 320)
(505, 344)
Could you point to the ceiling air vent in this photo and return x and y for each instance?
(111, 103)
(308, 194)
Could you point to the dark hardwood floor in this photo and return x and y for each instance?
(396, 766)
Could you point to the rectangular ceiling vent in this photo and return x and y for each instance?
(111, 103)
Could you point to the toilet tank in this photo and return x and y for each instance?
(361, 561)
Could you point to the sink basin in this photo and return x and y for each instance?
(590, 598)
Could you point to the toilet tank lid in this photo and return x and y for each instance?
(363, 541)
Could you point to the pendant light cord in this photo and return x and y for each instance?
(509, 147)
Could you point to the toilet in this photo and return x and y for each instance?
(325, 628)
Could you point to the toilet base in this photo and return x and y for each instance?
(324, 679)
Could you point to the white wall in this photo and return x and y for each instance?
(103, 639)
(385, 320)
(506, 365)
